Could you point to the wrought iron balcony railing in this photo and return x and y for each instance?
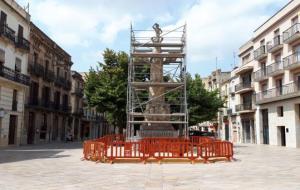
(49, 76)
(291, 61)
(36, 69)
(243, 107)
(78, 92)
(261, 74)
(14, 75)
(278, 92)
(8, 32)
(22, 43)
(274, 44)
(291, 32)
(275, 68)
(260, 52)
(243, 85)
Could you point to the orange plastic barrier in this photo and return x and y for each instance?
(114, 147)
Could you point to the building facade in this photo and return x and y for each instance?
(266, 84)
(14, 81)
(77, 103)
(48, 109)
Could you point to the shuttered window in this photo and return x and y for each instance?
(2, 56)
(18, 65)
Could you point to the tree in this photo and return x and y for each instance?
(203, 105)
(106, 86)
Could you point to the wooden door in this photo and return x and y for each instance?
(12, 129)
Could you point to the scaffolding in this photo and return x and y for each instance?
(156, 95)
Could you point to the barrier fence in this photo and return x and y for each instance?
(113, 147)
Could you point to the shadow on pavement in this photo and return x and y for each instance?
(29, 152)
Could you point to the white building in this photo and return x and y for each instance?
(267, 89)
(14, 49)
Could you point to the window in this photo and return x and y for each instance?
(276, 32)
(262, 42)
(35, 58)
(3, 18)
(18, 65)
(2, 57)
(277, 58)
(280, 111)
(57, 71)
(294, 20)
(20, 32)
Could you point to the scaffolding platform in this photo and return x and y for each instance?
(156, 95)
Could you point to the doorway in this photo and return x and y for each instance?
(31, 128)
(281, 136)
(12, 129)
(265, 124)
(226, 132)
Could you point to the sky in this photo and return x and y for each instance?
(215, 28)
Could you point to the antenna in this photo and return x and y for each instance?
(216, 63)
(233, 59)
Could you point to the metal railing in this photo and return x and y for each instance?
(260, 74)
(22, 43)
(78, 91)
(49, 75)
(290, 32)
(277, 40)
(278, 91)
(275, 68)
(36, 69)
(291, 60)
(8, 32)
(14, 75)
(244, 106)
(243, 85)
(259, 52)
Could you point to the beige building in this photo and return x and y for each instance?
(217, 80)
(14, 81)
(267, 88)
(48, 108)
(77, 103)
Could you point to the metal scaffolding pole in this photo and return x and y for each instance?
(156, 94)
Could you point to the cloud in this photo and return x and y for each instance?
(215, 28)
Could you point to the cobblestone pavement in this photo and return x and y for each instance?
(59, 166)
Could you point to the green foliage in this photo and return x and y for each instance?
(106, 86)
(203, 105)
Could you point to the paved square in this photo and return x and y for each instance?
(58, 166)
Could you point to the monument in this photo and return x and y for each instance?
(156, 105)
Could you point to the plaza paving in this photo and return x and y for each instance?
(59, 166)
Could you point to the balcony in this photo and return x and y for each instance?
(244, 108)
(36, 69)
(59, 81)
(65, 108)
(287, 91)
(78, 111)
(275, 69)
(67, 85)
(44, 104)
(22, 43)
(8, 33)
(260, 53)
(260, 75)
(292, 34)
(292, 61)
(243, 87)
(78, 92)
(49, 76)
(229, 111)
(275, 45)
(243, 69)
(13, 75)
